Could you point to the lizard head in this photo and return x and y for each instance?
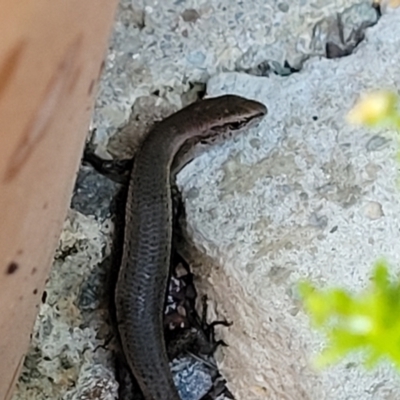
(226, 116)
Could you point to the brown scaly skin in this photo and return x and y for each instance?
(144, 272)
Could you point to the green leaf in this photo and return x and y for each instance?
(352, 322)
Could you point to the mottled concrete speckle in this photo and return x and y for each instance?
(304, 195)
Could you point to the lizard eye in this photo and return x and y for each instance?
(233, 126)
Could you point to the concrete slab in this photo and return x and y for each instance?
(305, 195)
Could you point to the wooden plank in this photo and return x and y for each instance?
(51, 56)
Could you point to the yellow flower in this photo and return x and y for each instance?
(373, 108)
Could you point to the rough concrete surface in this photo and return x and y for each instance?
(163, 46)
(67, 359)
(305, 195)
(157, 52)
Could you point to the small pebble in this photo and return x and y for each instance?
(376, 143)
(373, 210)
(190, 15)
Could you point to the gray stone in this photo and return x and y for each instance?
(299, 197)
(192, 378)
(166, 45)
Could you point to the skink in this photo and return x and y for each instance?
(144, 271)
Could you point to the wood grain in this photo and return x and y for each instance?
(51, 54)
